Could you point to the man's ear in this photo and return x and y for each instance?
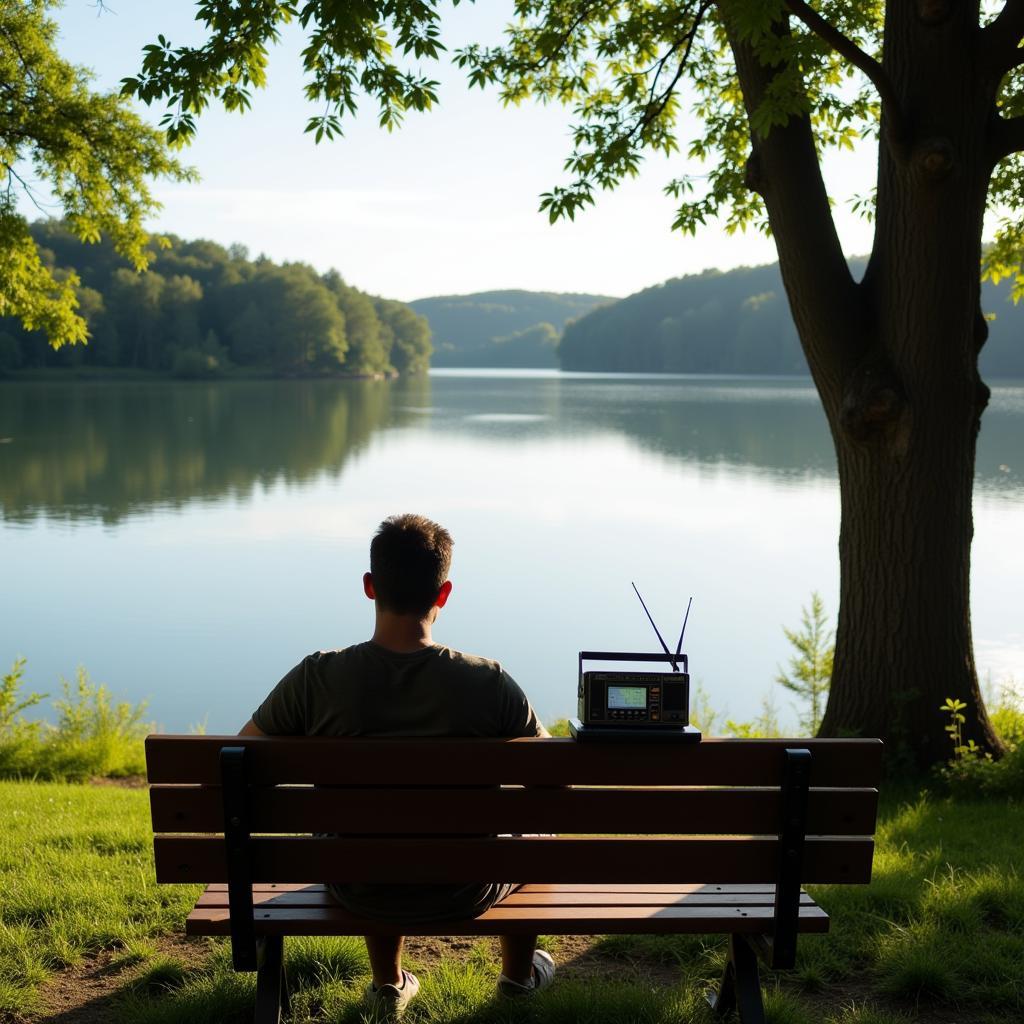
(442, 594)
(368, 587)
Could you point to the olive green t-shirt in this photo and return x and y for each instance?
(367, 690)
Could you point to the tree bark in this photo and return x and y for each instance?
(895, 360)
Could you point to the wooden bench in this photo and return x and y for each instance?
(663, 838)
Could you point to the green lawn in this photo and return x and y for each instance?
(938, 936)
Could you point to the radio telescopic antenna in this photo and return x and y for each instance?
(679, 646)
(661, 639)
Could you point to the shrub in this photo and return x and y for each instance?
(93, 735)
(984, 776)
(1008, 722)
(195, 364)
(972, 771)
(18, 738)
(810, 668)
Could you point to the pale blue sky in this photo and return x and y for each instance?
(447, 204)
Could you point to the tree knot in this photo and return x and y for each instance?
(933, 12)
(753, 176)
(874, 409)
(935, 158)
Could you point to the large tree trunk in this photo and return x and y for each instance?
(907, 424)
(895, 362)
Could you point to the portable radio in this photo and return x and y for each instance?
(635, 705)
(647, 699)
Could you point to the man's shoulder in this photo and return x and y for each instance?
(464, 662)
(325, 662)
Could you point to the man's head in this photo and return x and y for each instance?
(410, 557)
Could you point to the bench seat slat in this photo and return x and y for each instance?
(747, 810)
(536, 762)
(623, 887)
(587, 920)
(711, 859)
(299, 898)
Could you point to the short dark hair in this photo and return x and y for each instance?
(410, 557)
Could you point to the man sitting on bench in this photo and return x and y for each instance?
(400, 683)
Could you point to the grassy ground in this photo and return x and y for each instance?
(937, 937)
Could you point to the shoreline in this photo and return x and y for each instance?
(124, 374)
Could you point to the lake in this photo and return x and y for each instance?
(189, 542)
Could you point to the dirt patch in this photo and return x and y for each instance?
(85, 993)
(575, 956)
(123, 782)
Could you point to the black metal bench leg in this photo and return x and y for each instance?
(271, 984)
(740, 988)
(723, 1002)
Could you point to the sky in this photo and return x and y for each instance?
(447, 204)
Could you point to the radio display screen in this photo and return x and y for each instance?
(627, 697)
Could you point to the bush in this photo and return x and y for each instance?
(94, 736)
(19, 739)
(1008, 722)
(195, 364)
(984, 776)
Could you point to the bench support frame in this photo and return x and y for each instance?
(237, 846)
(271, 981)
(796, 777)
(265, 955)
(740, 987)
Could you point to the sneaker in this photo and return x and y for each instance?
(543, 975)
(389, 1001)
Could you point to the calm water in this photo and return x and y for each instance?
(188, 543)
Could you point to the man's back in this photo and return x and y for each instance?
(368, 690)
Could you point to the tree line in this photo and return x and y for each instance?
(501, 328)
(738, 322)
(202, 310)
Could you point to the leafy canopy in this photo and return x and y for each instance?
(88, 149)
(640, 76)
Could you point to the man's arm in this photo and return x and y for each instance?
(251, 729)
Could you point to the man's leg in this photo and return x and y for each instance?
(517, 957)
(385, 953)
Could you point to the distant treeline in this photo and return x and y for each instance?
(504, 328)
(736, 322)
(202, 309)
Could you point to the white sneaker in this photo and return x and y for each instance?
(389, 1001)
(543, 975)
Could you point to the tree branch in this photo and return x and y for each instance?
(13, 175)
(1002, 37)
(1007, 136)
(896, 121)
(656, 103)
(784, 165)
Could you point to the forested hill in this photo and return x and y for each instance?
(201, 310)
(737, 322)
(506, 328)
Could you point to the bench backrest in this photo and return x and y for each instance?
(716, 814)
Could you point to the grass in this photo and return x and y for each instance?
(940, 931)
(939, 935)
(76, 877)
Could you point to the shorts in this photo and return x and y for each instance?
(411, 904)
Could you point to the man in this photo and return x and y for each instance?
(400, 683)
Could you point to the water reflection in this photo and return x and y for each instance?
(105, 451)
